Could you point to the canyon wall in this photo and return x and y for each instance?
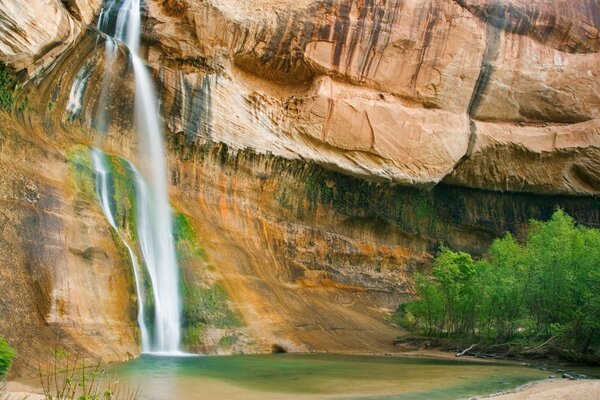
(321, 152)
(62, 274)
(492, 95)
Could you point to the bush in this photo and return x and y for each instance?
(65, 379)
(7, 87)
(449, 299)
(547, 288)
(7, 354)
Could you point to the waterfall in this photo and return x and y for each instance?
(121, 20)
(102, 176)
(75, 101)
(154, 221)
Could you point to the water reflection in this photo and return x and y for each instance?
(296, 376)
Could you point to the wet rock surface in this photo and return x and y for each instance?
(322, 150)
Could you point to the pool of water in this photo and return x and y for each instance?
(318, 376)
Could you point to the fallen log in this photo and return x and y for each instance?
(465, 351)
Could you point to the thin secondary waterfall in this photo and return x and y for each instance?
(110, 48)
(75, 103)
(121, 20)
(102, 176)
(157, 249)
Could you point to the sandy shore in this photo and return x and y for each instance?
(550, 389)
(556, 389)
(20, 391)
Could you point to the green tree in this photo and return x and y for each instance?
(506, 284)
(544, 290)
(552, 257)
(582, 318)
(455, 273)
(428, 312)
(449, 301)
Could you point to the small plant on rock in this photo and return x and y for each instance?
(66, 379)
(7, 354)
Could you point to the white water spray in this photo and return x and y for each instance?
(75, 102)
(102, 174)
(154, 214)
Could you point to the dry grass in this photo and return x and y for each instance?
(64, 378)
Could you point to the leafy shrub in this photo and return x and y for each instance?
(547, 288)
(7, 354)
(7, 87)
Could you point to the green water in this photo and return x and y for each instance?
(300, 376)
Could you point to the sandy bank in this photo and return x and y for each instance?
(20, 391)
(556, 389)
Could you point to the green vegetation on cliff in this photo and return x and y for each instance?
(7, 354)
(546, 290)
(7, 87)
(186, 239)
(205, 301)
(81, 172)
(82, 177)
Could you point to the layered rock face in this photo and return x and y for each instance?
(36, 33)
(401, 91)
(63, 280)
(413, 92)
(321, 150)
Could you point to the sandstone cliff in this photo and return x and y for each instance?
(321, 150)
(36, 33)
(414, 92)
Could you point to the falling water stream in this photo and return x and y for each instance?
(103, 191)
(120, 19)
(75, 104)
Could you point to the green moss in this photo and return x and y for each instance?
(227, 341)
(124, 205)
(423, 207)
(343, 194)
(186, 240)
(192, 335)
(327, 194)
(207, 307)
(81, 171)
(312, 186)
(284, 200)
(408, 209)
(121, 186)
(8, 84)
(123, 196)
(23, 105)
(203, 306)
